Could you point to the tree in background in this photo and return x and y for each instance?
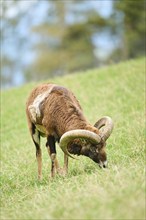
(49, 38)
(67, 46)
(129, 22)
(14, 43)
(6, 30)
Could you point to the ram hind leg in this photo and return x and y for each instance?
(36, 140)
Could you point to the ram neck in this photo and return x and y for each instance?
(73, 122)
(91, 128)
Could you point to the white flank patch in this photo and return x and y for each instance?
(34, 109)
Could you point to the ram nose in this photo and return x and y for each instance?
(103, 164)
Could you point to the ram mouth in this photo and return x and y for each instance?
(103, 164)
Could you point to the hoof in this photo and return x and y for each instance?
(62, 172)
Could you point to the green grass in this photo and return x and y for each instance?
(87, 192)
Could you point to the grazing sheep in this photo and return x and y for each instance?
(55, 113)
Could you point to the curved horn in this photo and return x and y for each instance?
(105, 126)
(79, 133)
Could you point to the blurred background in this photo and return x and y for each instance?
(41, 39)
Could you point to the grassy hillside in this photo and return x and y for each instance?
(87, 192)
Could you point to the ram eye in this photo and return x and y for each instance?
(93, 149)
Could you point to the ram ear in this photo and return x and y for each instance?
(93, 149)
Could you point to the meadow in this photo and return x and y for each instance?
(88, 192)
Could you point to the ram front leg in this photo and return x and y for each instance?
(63, 171)
(52, 152)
